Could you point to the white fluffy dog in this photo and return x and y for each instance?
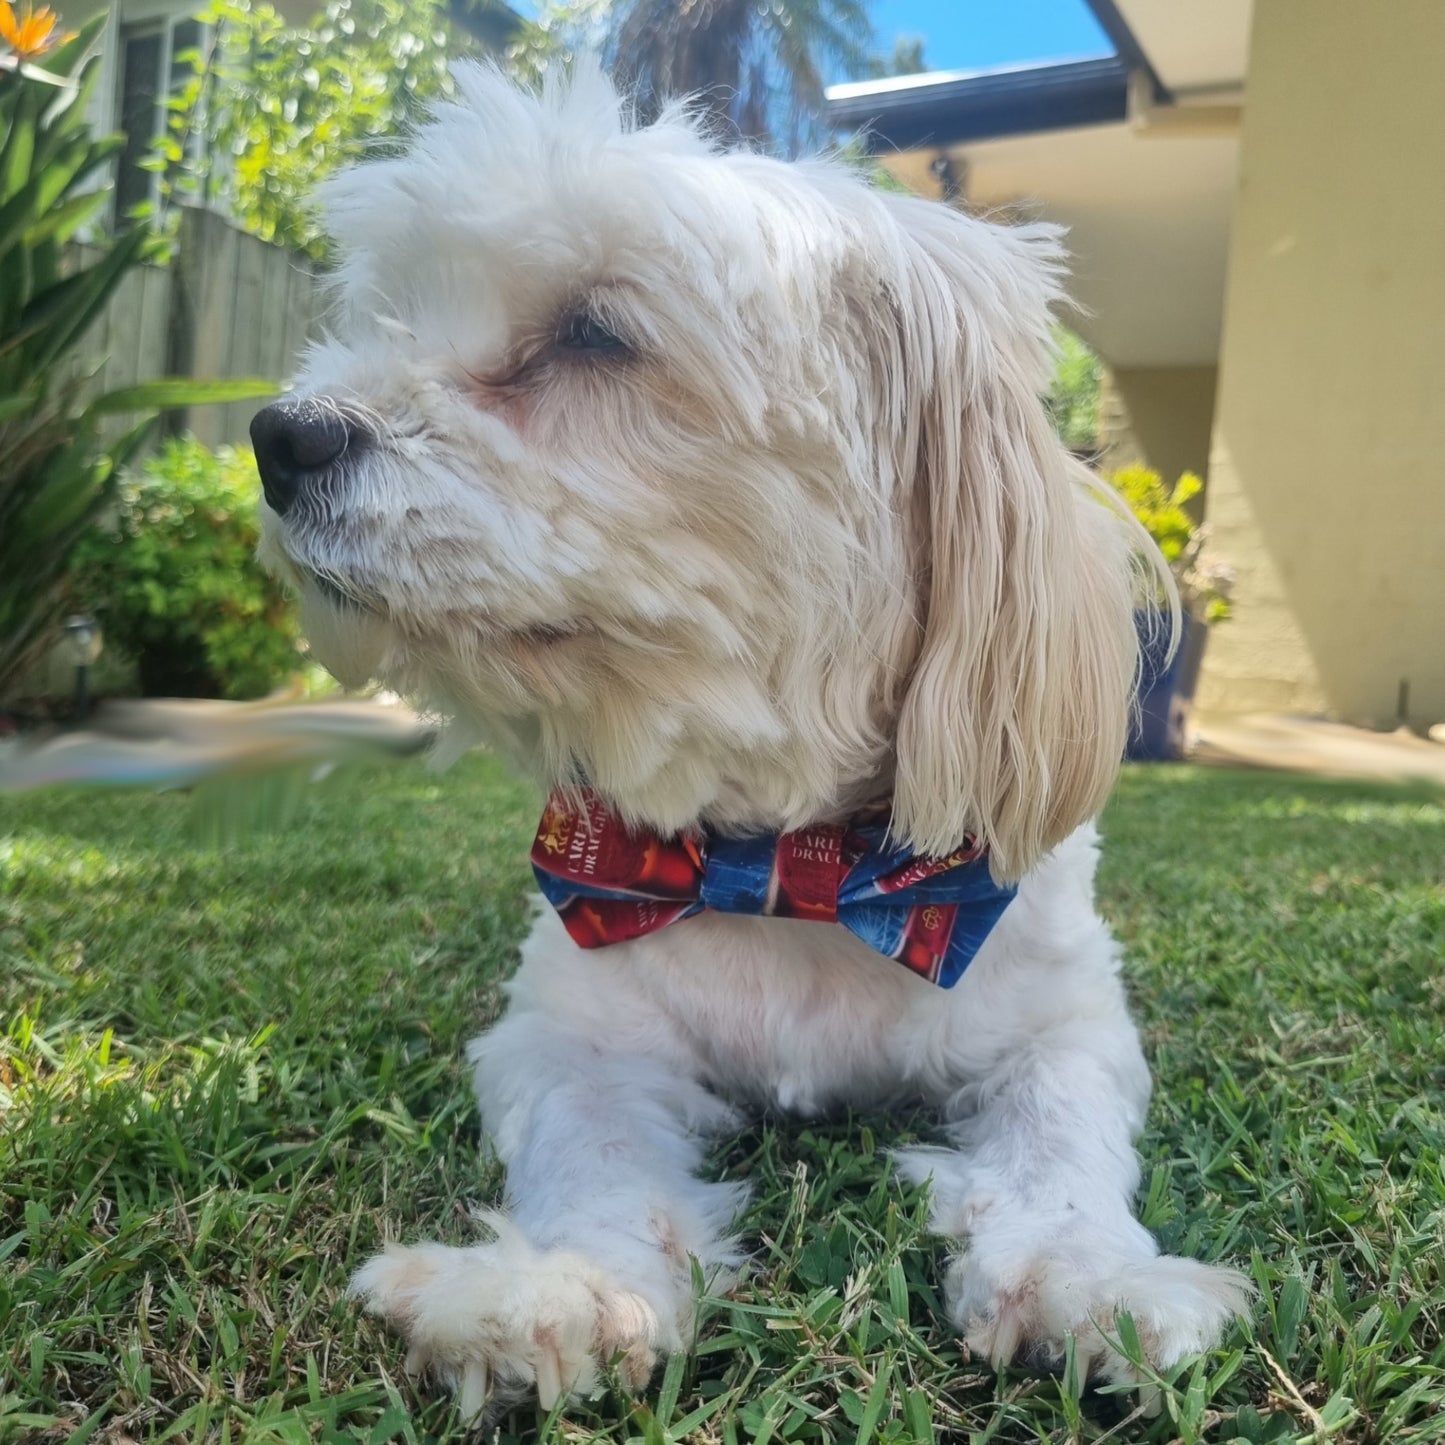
(723, 485)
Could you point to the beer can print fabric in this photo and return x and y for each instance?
(610, 882)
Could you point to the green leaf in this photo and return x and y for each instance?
(125, 448)
(19, 213)
(63, 221)
(65, 313)
(16, 404)
(18, 151)
(877, 1397)
(69, 160)
(71, 479)
(1129, 1337)
(73, 122)
(68, 56)
(182, 391)
(918, 1413)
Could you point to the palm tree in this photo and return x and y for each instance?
(756, 65)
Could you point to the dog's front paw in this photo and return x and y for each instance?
(1015, 1302)
(505, 1318)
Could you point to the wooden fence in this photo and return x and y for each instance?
(228, 305)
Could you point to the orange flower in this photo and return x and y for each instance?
(31, 33)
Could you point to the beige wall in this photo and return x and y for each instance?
(1159, 415)
(1327, 473)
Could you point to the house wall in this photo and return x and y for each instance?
(1327, 470)
(1159, 415)
(104, 111)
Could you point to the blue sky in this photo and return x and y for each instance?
(979, 34)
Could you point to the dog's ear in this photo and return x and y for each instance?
(1012, 724)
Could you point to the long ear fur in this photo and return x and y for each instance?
(1013, 724)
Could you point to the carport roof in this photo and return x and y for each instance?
(1135, 152)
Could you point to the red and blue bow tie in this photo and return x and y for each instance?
(610, 883)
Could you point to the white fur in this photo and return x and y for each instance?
(808, 542)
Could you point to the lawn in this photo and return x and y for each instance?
(227, 1072)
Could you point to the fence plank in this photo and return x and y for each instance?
(123, 330)
(228, 305)
(152, 349)
(304, 311)
(247, 324)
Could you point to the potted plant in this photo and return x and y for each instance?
(1167, 681)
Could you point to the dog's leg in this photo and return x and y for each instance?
(592, 1261)
(1038, 1191)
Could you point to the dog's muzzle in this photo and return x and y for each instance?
(296, 443)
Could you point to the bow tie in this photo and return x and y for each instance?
(610, 883)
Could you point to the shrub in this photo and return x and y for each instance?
(1073, 395)
(271, 108)
(58, 463)
(1205, 581)
(174, 580)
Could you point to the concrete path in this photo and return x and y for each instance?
(172, 744)
(179, 743)
(1312, 745)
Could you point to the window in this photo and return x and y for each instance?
(154, 65)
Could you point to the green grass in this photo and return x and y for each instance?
(225, 1072)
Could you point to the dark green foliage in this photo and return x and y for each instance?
(273, 108)
(57, 466)
(54, 468)
(1205, 580)
(1073, 395)
(174, 580)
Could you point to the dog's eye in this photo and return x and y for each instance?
(581, 332)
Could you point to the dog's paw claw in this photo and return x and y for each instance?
(549, 1374)
(473, 1390)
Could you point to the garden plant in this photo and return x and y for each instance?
(60, 447)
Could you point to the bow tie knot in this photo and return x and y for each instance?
(610, 883)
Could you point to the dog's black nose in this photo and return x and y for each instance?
(295, 441)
